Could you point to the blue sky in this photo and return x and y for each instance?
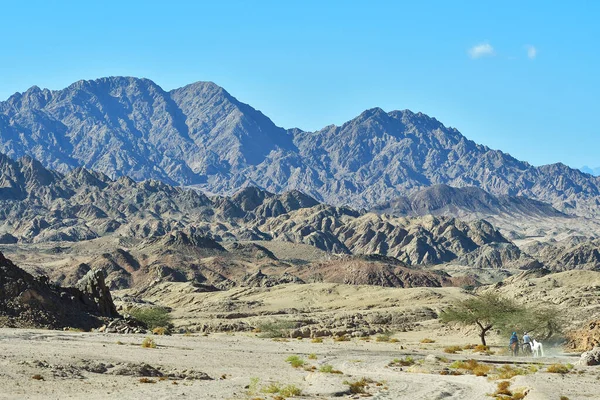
(518, 77)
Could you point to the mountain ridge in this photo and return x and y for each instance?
(200, 135)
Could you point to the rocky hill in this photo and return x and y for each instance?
(26, 301)
(158, 231)
(201, 135)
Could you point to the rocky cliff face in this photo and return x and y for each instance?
(201, 135)
(26, 301)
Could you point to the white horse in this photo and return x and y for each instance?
(536, 348)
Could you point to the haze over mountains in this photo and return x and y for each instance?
(200, 135)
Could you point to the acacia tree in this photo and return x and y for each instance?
(486, 311)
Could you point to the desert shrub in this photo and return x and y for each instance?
(37, 377)
(253, 386)
(312, 356)
(359, 386)
(295, 361)
(161, 330)
(328, 369)
(276, 388)
(564, 398)
(452, 349)
(406, 362)
(559, 368)
(469, 346)
(147, 380)
(342, 338)
(290, 390)
(271, 388)
(275, 329)
(149, 343)
(427, 340)
(317, 340)
(153, 317)
(503, 388)
(450, 372)
(473, 366)
(508, 371)
(384, 337)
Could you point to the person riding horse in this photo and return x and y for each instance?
(514, 344)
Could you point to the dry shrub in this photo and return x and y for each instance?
(147, 380)
(473, 366)
(503, 388)
(427, 340)
(469, 346)
(342, 338)
(37, 377)
(508, 372)
(452, 349)
(317, 340)
(312, 356)
(450, 372)
(559, 368)
(149, 343)
(328, 369)
(384, 337)
(359, 386)
(161, 330)
(406, 362)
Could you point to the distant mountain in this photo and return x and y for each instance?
(592, 171)
(447, 200)
(201, 135)
(40, 206)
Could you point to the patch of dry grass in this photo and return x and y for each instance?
(559, 368)
(149, 343)
(342, 338)
(427, 340)
(452, 349)
(472, 366)
(360, 386)
(328, 369)
(405, 362)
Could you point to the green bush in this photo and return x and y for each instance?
(153, 317)
(275, 329)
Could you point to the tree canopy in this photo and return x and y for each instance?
(490, 310)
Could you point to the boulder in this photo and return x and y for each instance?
(591, 357)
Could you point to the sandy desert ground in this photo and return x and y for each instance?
(70, 365)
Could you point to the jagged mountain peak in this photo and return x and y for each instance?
(201, 135)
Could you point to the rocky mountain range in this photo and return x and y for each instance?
(201, 135)
(159, 231)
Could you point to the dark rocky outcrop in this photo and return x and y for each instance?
(27, 301)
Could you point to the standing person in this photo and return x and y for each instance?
(514, 344)
(526, 343)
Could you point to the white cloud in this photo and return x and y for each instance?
(482, 50)
(531, 51)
